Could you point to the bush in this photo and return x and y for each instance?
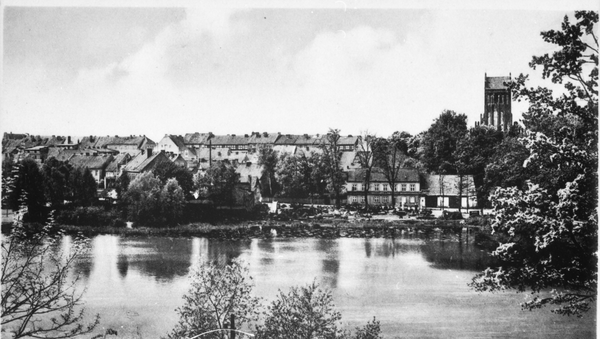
(90, 216)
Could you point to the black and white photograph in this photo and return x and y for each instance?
(336, 169)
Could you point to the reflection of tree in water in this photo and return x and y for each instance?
(461, 255)
(331, 263)
(266, 246)
(122, 265)
(163, 258)
(222, 252)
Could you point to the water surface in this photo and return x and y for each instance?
(417, 288)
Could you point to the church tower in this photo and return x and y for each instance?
(497, 110)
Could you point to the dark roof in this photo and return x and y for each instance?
(90, 161)
(448, 185)
(196, 138)
(348, 140)
(496, 82)
(263, 138)
(404, 175)
(230, 140)
(118, 160)
(142, 162)
(287, 139)
(178, 141)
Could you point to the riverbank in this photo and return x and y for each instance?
(298, 229)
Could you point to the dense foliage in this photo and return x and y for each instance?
(551, 224)
(218, 183)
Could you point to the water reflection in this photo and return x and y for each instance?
(411, 283)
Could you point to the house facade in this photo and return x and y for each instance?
(450, 191)
(407, 190)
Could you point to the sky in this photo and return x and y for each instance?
(70, 68)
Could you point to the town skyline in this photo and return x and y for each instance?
(232, 70)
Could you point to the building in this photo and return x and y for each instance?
(498, 103)
(407, 191)
(95, 163)
(450, 191)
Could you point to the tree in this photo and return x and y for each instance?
(215, 294)
(143, 198)
(122, 184)
(389, 155)
(331, 161)
(267, 158)
(172, 201)
(28, 189)
(551, 226)
(440, 141)
(218, 183)
(167, 170)
(303, 313)
(365, 159)
(291, 174)
(473, 153)
(83, 187)
(38, 298)
(56, 180)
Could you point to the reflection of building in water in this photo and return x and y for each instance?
(497, 110)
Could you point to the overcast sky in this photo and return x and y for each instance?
(115, 70)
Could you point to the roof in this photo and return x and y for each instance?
(230, 140)
(347, 160)
(285, 149)
(248, 170)
(90, 161)
(218, 153)
(263, 138)
(496, 82)
(178, 141)
(118, 160)
(377, 175)
(142, 162)
(196, 138)
(448, 185)
(36, 148)
(348, 140)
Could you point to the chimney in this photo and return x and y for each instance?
(69, 139)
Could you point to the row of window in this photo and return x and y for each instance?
(383, 199)
(385, 187)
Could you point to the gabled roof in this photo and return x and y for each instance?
(377, 175)
(229, 140)
(118, 160)
(263, 138)
(448, 185)
(247, 171)
(90, 161)
(496, 82)
(61, 154)
(287, 139)
(347, 160)
(348, 140)
(196, 138)
(142, 162)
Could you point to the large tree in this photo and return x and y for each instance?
(440, 141)
(551, 226)
(28, 188)
(365, 159)
(168, 170)
(389, 156)
(268, 159)
(332, 155)
(143, 199)
(473, 153)
(56, 180)
(218, 183)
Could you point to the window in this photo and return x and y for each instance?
(385, 187)
(354, 198)
(413, 187)
(403, 187)
(354, 187)
(362, 199)
(412, 199)
(377, 187)
(376, 198)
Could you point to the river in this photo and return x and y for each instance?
(416, 287)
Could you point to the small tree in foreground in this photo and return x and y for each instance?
(215, 294)
(39, 300)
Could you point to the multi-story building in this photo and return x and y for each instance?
(407, 192)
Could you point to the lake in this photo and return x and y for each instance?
(416, 286)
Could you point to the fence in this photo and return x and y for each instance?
(304, 201)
